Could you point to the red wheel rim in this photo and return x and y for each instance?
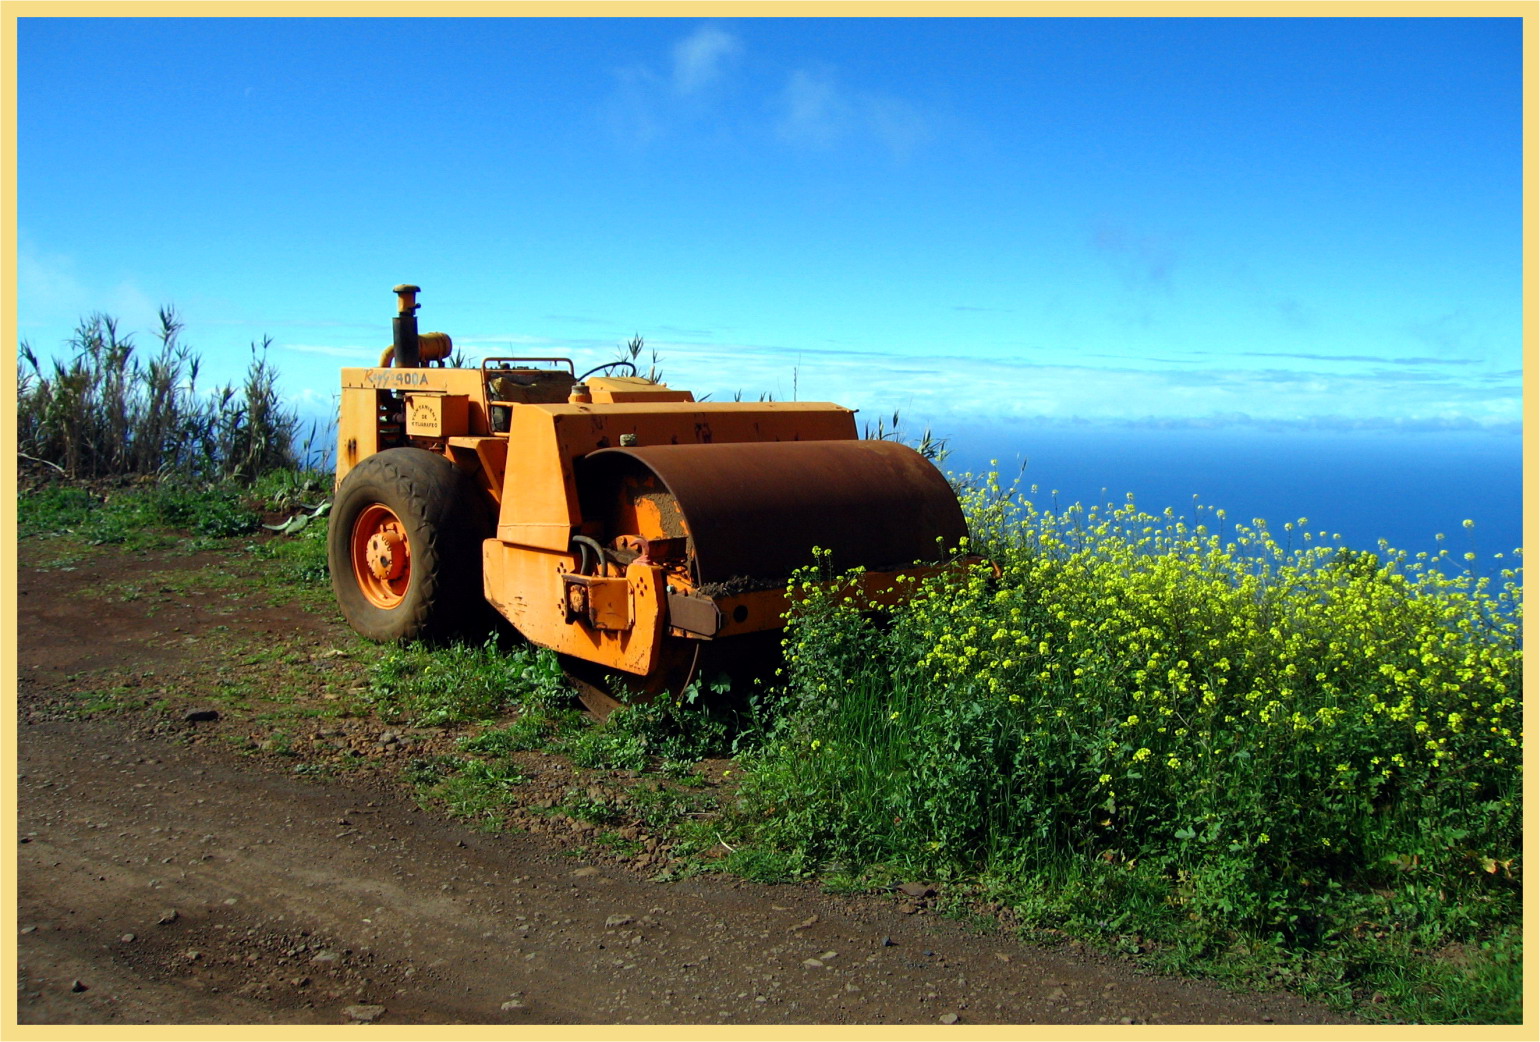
(381, 556)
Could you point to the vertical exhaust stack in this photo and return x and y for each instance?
(405, 327)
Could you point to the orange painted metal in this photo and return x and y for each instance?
(528, 587)
(754, 512)
(638, 527)
(743, 613)
(612, 389)
(549, 439)
(381, 556)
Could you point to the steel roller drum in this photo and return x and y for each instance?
(754, 511)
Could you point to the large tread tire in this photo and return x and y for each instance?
(430, 588)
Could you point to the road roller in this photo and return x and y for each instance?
(635, 531)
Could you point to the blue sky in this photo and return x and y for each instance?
(1310, 222)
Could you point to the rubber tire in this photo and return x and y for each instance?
(445, 522)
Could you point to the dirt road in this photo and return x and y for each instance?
(171, 871)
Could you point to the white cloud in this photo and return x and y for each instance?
(52, 299)
(648, 102)
(951, 393)
(813, 110)
(701, 57)
(46, 284)
(900, 126)
(945, 390)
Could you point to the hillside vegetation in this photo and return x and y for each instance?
(1272, 762)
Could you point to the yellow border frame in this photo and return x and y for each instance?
(1528, 10)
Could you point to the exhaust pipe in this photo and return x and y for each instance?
(404, 328)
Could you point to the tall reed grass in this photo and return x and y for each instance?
(110, 410)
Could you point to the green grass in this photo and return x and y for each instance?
(109, 702)
(432, 686)
(135, 517)
(1282, 763)
(536, 728)
(476, 790)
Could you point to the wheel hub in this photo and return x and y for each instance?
(381, 556)
(384, 555)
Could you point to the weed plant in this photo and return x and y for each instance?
(671, 732)
(290, 488)
(301, 559)
(1227, 745)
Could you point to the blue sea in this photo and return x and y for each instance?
(1405, 488)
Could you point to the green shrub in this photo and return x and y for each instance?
(673, 731)
(472, 789)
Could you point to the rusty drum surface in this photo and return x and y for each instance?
(754, 511)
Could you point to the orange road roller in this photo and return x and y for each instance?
(619, 522)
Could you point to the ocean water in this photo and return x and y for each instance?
(1405, 488)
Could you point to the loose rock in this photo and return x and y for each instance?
(364, 1013)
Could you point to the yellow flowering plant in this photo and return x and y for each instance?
(1273, 722)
